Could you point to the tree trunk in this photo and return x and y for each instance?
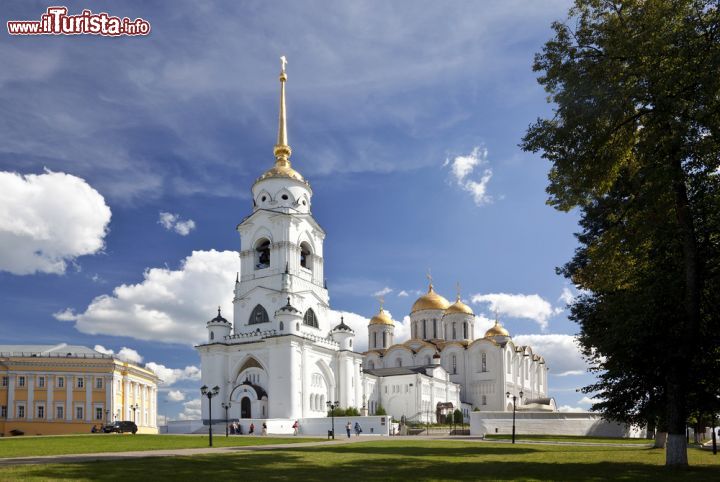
(676, 450)
(676, 454)
(660, 438)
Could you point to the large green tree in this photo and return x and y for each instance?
(634, 144)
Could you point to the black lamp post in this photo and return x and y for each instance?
(332, 406)
(209, 394)
(226, 406)
(514, 399)
(134, 408)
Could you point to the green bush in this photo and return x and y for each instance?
(352, 412)
(457, 416)
(380, 410)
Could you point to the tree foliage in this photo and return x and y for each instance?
(634, 144)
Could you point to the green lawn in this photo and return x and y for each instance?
(571, 438)
(395, 460)
(81, 444)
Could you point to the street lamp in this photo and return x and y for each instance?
(514, 399)
(134, 408)
(210, 394)
(226, 406)
(332, 406)
(107, 416)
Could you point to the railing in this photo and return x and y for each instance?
(52, 355)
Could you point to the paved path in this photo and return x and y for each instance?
(77, 458)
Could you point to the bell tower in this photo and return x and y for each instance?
(281, 247)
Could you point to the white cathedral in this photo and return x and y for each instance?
(285, 356)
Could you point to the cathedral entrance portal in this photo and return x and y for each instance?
(245, 407)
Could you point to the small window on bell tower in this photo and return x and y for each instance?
(262, 254)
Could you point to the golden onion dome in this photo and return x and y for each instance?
(382, 318)
(282, 171)
(430, 301)
(459, 307)
(497, 330)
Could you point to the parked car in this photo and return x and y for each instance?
(121, 427)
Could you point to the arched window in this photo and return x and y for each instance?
(282, 326)
(350, 343)
(435, 328)
(424, 329)
(310, 319)
(305, 256)
(454, 363)
(384, 339)
(484, 400)
(375, 340)
(454, 333)
(258, 315)
(465, 331)
(212, 335)
(483, 362)
(262, 254)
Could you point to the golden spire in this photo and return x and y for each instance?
(429, 277)
(381, 300)
(457, 286)
(282, 150)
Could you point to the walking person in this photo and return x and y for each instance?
(264, 429)
(348, 428)
(252, 429)
(358, 430)
(295, 427)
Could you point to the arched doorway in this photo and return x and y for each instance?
(245, 407)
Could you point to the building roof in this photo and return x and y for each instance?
(395, 371)
(62, 349)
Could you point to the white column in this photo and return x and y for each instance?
(154, 407)
(69, 382)
(88, 399)
(109, 398)
(126, 399)
(11, 397)
(49, 412)
(30, 409)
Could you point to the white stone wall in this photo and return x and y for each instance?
(547, 423)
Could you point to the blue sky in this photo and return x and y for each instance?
(404, 116)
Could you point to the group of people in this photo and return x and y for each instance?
(349, 427)
(236, 428)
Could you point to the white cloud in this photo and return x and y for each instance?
(125, 354)
(588, 401)
(175, 396)
(191, 410)
(463, 167)
(386, 290)
(568, 408)
(170, 376)
(103, 350)
(567, 296)
(482, 324)
(403, 294)
(561, 352)
(65, 315)
(173, 222)
(130, 355)
(48, 220)
(168, 305)
(571, 372)
(532, 307)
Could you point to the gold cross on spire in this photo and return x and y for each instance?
(283, 63)
(381, 300)
(430, 279)
(457, 286)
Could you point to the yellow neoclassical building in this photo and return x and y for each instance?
(60, 389)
